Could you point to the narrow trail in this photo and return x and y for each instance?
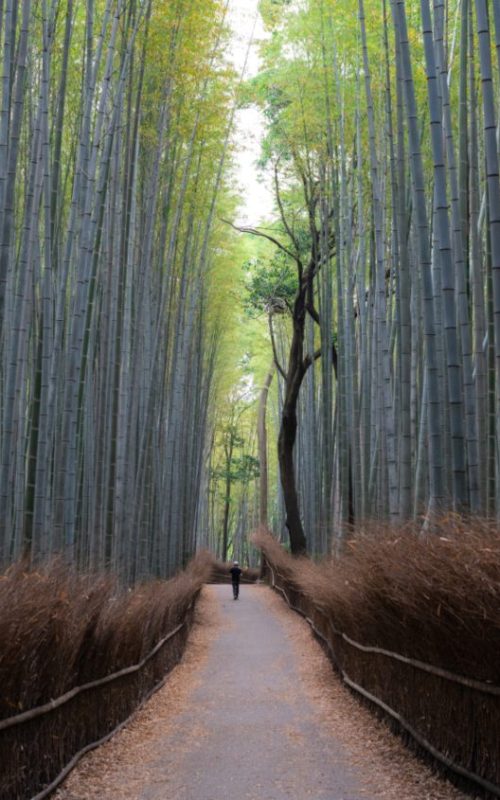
(253, 712)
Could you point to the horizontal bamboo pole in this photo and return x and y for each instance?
(93, 745)
(471, 683)
(18, 719)
(448, 763)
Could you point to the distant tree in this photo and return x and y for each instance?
(236, 467)
(279, 290)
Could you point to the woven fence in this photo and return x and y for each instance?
(454, 719)
(40, 746)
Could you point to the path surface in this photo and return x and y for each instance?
(259, 732)
(253, 713)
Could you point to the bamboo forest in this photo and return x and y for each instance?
(249, 313)
(139, 330)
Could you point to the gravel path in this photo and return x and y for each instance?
(254, 712)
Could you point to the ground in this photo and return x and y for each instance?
(254, 712)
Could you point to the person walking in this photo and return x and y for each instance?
(235, 579)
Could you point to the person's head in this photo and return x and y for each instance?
(235, 563)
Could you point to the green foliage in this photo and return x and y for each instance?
(271, 285)
(272, 10)
(243, 469)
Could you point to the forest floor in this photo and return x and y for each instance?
(253, 712)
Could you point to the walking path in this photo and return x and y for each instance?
(254, 712)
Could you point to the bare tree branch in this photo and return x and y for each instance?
(311, 358)
(282, 211)
(313, 313)
(256, 232)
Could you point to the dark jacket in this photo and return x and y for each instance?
(235, 574)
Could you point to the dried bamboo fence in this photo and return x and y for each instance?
(39, 747)
(453, 719)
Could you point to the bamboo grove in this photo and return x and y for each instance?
(383, 138)
(373, 292)
(114, 127)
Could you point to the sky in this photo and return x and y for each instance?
(249, 124)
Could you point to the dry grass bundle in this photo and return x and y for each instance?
(433, 596)
(47, 617)
(59, 629)
(276, 555)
